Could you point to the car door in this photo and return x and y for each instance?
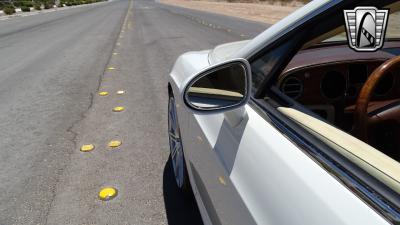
(251, 173)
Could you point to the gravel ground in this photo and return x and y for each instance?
(260, 12)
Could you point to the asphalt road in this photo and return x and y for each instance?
(52, 66)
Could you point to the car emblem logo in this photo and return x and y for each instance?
(366, 27)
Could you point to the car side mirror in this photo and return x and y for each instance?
(222, 87)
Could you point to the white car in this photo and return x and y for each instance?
(292, 127)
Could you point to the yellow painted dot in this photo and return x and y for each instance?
(120, 92)
(114, 143)
(87, 148)
(222, 180)
(107, 193)
(118, 109)
(111, 68)
(115, 53)
(103, 93)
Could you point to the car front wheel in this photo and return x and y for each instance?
(176, 147)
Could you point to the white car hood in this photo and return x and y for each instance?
(225, 51)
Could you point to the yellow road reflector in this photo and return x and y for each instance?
(222, 180)
(103, 93)
(115, 53)
(120, 92)
(118, 109)
(111, 68)
(108, 193)
(87, 148)
(114, 143)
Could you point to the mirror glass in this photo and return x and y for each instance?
(221, 88)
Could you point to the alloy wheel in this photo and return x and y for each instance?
(175, 143)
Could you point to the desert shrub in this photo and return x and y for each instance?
(25, 9)
(17, 3)
(285, 2)
(28, 4)
(9, 9)
(37, 6)
(48, 5)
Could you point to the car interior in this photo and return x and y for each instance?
(349, 99)
(330, 85)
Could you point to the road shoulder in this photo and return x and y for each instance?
(259, 12)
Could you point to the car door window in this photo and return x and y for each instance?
(328, 90)
(266, 64)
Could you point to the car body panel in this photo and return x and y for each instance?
(223, 203)
(180, 75)
(251, 173)
(182, 72)
(275, 178)
(225, 51)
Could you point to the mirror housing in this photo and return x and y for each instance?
(222, 87)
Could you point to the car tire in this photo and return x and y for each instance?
(177, 157)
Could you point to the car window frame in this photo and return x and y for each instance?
(377, 195)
